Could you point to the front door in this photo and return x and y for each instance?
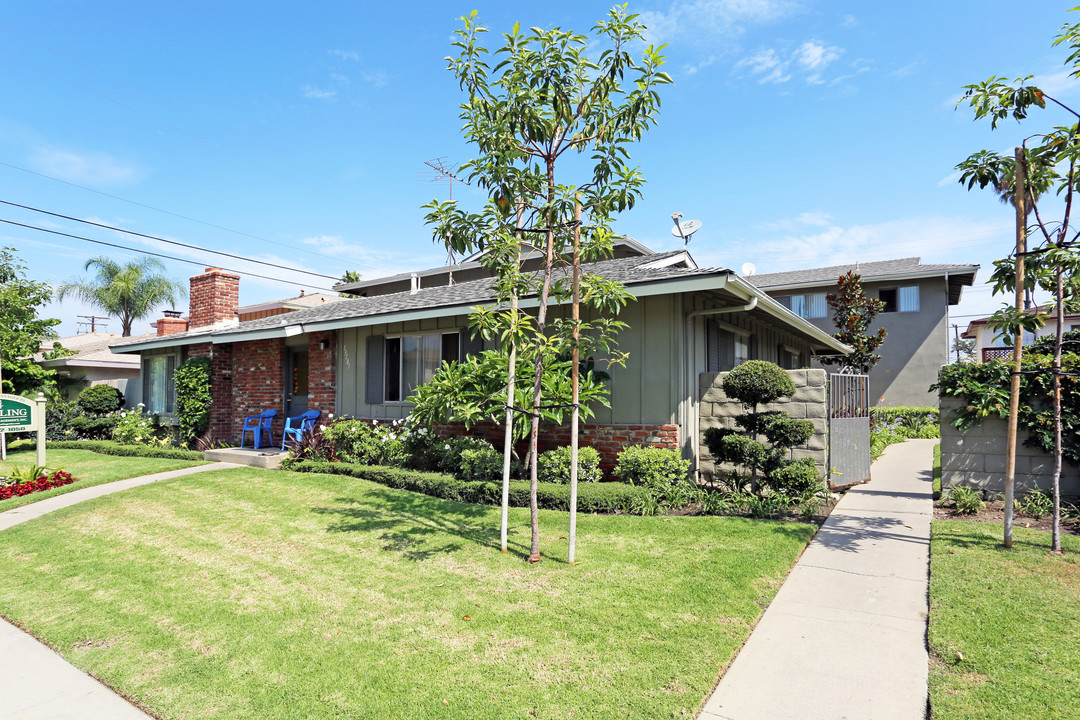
(296, 383)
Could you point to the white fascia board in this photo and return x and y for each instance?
(157, 343)
(119, 363)
(780, 312)
(874, 279)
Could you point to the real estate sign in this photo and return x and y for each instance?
(19, 414)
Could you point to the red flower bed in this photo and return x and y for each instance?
(45, 482)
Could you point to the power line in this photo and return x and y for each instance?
(168, 212)
(161, 239)
(147, 252)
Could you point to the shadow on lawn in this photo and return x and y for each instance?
(410, 523)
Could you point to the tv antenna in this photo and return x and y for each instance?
(684, 229)
(91, 320)
(439, 172)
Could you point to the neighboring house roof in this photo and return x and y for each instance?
(625, 245)
(301, 301)
(974, 326)
(91, 350)
(900, 269)
(654, 274)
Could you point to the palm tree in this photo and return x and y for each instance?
(130, 291)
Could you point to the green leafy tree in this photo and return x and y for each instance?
(964, 349)
(22, 331)
(1043, 162)
(129, 292)
(545, 99)
(853, 313)
(350, 276)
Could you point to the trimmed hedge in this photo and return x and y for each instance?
(592, 497)
(911, 418)
(108, 447)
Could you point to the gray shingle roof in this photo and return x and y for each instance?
(629, 271)
(885, 268)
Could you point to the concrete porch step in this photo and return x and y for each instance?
(269, 458)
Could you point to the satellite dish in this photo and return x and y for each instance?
(748, 269)
(685, 229)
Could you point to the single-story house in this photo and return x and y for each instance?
(917, 299)
(363, 356)
(989, 347)
(92, 363)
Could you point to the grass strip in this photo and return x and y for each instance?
(89, 469)
(264, 594)
(1004, 624)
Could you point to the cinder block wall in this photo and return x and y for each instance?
(716, 409)
(976, 457)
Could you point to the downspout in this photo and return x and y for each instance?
(693, 416)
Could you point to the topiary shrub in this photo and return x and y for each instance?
(798, 478)
(100, 399)
(651, 466)
(193, 398)
(554, 466)
(755, 383)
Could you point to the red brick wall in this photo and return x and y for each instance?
(258, 383)
(608, 440)
(322, 380)
(171, 326)
(214, 296)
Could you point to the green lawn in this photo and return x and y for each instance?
(266, 594)
(88, 468)
(1014, 616)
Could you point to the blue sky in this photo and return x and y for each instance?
(800, 133)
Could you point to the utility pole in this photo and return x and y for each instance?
(91, 320)
(956, 340)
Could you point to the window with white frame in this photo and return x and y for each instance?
(900, 299)
(412, 360)
(810, 305)
(159, 386)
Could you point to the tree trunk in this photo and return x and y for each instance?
(1018, 347)
(1059, 306)
(574, 381)
(508, 440)
(538, 366)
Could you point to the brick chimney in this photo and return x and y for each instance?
(171, 324)
(215, 297)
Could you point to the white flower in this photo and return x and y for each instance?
(331, 416)
(123, 414)
(446, 446)
(322, 427)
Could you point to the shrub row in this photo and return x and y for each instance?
(109, 447)
(45, 482)
(592, 497)
(912, 418)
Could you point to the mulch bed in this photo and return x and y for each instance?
(994, 512)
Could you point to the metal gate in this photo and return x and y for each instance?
(849, 428)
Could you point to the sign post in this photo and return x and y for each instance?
(19, 414)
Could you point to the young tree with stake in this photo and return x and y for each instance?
(545, 98)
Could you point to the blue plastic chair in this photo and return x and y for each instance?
(304, 421)
(257, 425)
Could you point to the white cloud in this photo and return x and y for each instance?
(692, 68)
(949, 179)
(810, 60)
(708, 20)
(767, 66)
(93, 168)
(377, 78)
(316, 93)
(1056, 84)
(346, 55)
(849, 21)
(906, 70)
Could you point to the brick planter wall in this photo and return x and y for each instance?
(976, 457)
(608, 440)
(809, 402)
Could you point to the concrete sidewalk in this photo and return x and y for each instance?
(846, 635)
(35, 682)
